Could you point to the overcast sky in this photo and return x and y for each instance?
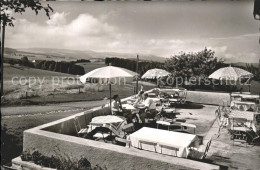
(159, 28)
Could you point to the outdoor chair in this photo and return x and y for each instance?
(101, 131)
(170, 148)
(239, 130)
(122, 137)
(80, 131)
(182, 97)
(222, 119)
(141, 142)
(129, 128)
(197, 155)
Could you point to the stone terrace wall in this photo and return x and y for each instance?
(212, 98)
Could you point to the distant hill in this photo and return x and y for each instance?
(65, 54)
(244, 64)
(10, 50)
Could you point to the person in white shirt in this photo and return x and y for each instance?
(139, 97)
(116, 109)
(149, 110)
(116, 106)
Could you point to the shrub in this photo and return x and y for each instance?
(10, 147)
(59, 163)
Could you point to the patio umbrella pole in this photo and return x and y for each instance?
(137, 60)
(110, 94)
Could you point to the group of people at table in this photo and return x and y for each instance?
(143, 107)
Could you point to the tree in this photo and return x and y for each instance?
(187, 65)
(25, 61)
(17, 6)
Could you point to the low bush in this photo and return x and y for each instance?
(9, 146)
(60, 163)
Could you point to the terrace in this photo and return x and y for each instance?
(60, 138)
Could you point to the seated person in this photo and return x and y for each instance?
(139, 98)
(149, 110)
(116, 106)
(142, 89)
(116, 109)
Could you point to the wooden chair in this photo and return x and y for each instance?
(182, 96)
(170, 148)
(221, 118)
(147, 143)
(129, 128)
(80, 131)
(239, 130)
(122, 137)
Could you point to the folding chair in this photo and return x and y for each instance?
(127, 129)
(182, 96)
(80, 131)
(222, 118)
(239, 130)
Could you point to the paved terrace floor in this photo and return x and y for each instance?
(232, 156)
(222, 150)
(203, 116)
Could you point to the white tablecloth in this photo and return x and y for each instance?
(114, 123)
(249, 116)
(107, 119)
(244, 105)
(128, 107)
(242, 114)
(174, 139)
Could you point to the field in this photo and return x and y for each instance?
(91, 66)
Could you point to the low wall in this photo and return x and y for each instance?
(212, 98)
(104, 154)
(66, 126)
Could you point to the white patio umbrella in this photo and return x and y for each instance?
(108, 73)
(155, 73)
(230, 74)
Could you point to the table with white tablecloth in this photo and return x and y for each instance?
(243, 105)
(249, 116)
(112, 122)
(162, 137)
